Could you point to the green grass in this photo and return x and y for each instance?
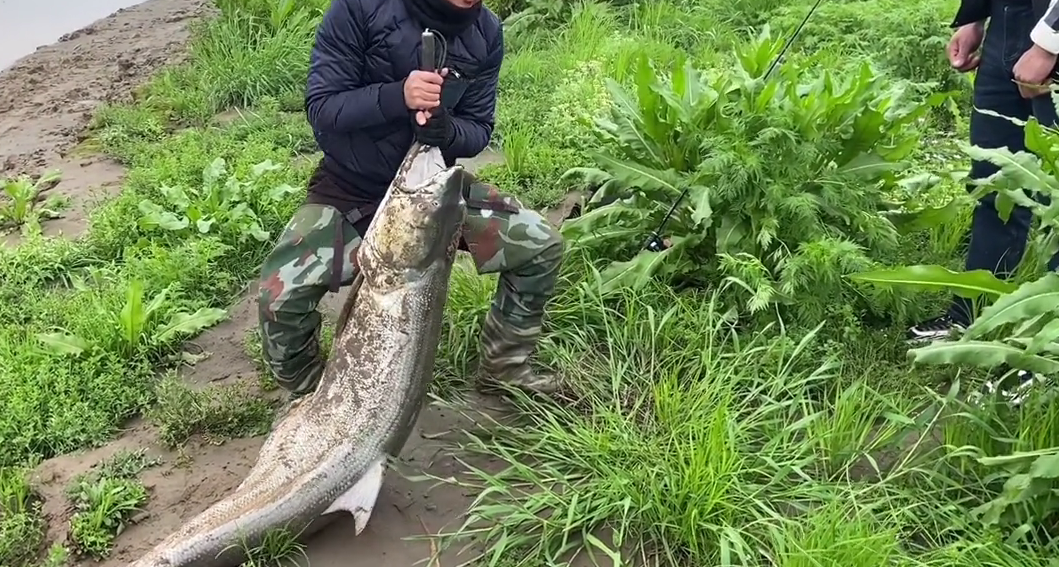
(688, 442)
(217, 412)
(278, 548)
(21, 523)
(105, 499)
(691, 431)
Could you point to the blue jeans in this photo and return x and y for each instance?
(996, 245)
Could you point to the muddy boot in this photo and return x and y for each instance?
(296, 376)
(297, 369)
(293, 397)
(504, 358)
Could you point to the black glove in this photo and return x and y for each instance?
(438, 131)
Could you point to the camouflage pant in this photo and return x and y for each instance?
(522, 246)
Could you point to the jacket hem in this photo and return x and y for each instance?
(971, 12)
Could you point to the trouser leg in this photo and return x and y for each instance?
(294, 278)
(527, 252)
(996, 245)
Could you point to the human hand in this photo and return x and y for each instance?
(963, 47)
(435, 129)
(1033, 71)
(422, 89)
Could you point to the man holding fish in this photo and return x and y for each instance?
(367, 100)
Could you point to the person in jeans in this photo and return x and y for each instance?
(1019, 44)
(1015, 58)
(367, 101)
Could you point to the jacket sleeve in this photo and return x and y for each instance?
(336, 96)
(1045, 34)
(473, 117)
(970, 12)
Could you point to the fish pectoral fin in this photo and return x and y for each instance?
(360, 499)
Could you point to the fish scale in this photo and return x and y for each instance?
(327, 454)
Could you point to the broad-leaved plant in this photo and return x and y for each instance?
(786, 176)
(1018, 328)
(223, 204)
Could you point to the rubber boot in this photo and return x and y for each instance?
(310, 379)
(504, 357)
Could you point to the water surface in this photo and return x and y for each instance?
(26, 25)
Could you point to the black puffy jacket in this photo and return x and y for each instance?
(354, 97)
(971, 11)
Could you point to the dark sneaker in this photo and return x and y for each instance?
(1012, 387)
(933, 329)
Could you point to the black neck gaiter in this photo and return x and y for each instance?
(443, 16)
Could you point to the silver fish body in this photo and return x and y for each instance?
(328, 453)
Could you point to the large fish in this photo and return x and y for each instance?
(328, 453)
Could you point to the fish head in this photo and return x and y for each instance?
(419, 221)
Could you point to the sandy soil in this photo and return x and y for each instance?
(46, 100)
(190, 480)
(47, 97)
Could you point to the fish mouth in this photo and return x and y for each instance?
(427, 167)
(433, 184)
(443, 177)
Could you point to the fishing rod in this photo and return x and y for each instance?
(654, 242)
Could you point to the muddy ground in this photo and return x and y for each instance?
(46, 101)
(47, 98)
(193, 478)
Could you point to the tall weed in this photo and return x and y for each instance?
(785, 180)
(681, 441)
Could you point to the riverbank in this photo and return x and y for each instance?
(48, 97)
(739, 398)
(44, 128)
(47, 101)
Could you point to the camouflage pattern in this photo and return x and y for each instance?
(294, 278)
(523, 247)
(527, 251)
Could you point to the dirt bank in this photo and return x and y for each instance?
(47, 97)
